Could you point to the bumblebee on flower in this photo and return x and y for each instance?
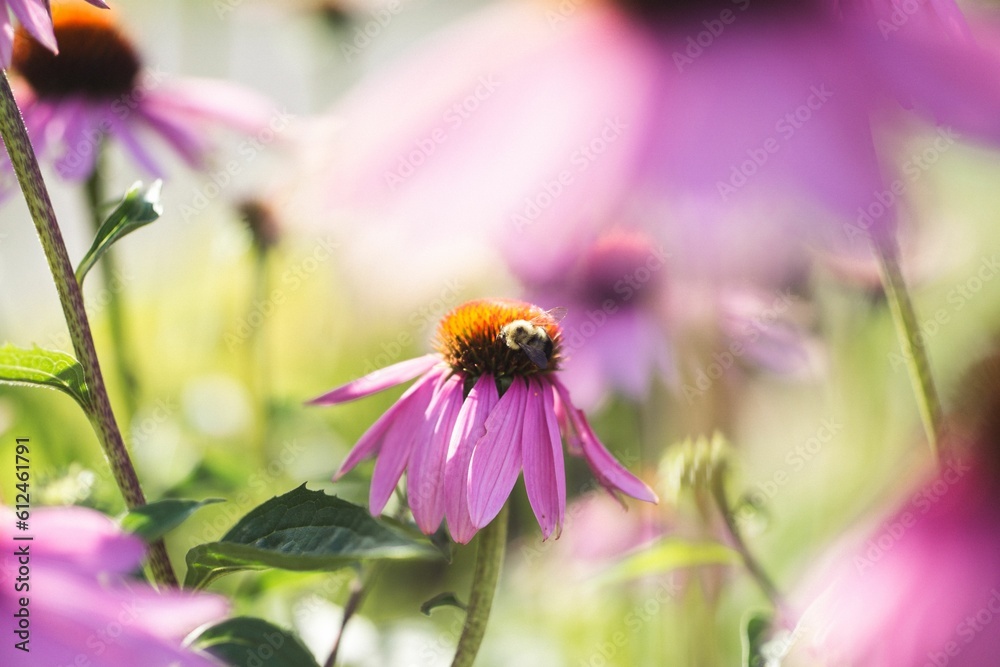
(487, 406)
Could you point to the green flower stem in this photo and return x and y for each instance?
(908, 331)
(94, 188)
(22, 157)
(489, 559)
(750, 562)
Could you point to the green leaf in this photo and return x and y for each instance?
(252, 642)
(304, 531)
(753, 637)
(45, 368)
(447, 599)
(139, 207)
(153, 521)
(668, 555)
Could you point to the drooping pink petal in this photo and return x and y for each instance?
(409, 409)
(233, 105)
(83, 611)
(185, 138)
(80, 140)
(99, 3)
(470, 426)
(375, 382)
(35, 17)
(89, 540)
(930, 18)
(426, 472)
(123, 130)
(397, 446)
(954, 83)
(115, 625)
(608, 471)
(6, 40)
(544, 470)
(496, 459)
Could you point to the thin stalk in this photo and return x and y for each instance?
(914, 352)
(94, 188)
(489, 559)
(22, 157)
(750, 562)
(359, 588)
(258, 343)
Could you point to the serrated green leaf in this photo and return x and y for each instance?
(753, 636)
(44, 368)
(252, 642)
(668, 555)
(153, 521)
(139, 207)
(448, 599)
(302, 530)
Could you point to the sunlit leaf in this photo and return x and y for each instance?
(44, 368)
(153, 521)
(668, 555)
(302, 530)
(252, 642)
(139, 207)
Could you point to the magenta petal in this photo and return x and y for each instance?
(79, 144)
(6, 40)
(496, 459)
(183, 137)
(609, 472)
(75, 614)
(99, 3)
(397, 443)
(123, 131)
(84, 538)
(412, 403)
(470, 426)
(377, 381)
(425, 474)
(222, 102)
(34, 16)
(544, 470)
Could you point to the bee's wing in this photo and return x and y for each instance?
(555, 315)
(536, 353)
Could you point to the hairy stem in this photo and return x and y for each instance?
(22, 157)
(489, 559)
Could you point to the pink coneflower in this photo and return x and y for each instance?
(35, 17)
(614, 290)
(83, 607)
(485, 408)
(742, 120)
(97, 87)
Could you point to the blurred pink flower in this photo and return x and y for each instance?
(628, 310)
(923, 588)
(743, 119)
(83, 609)
(97, 87)
(34, 15)
(482, 410)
